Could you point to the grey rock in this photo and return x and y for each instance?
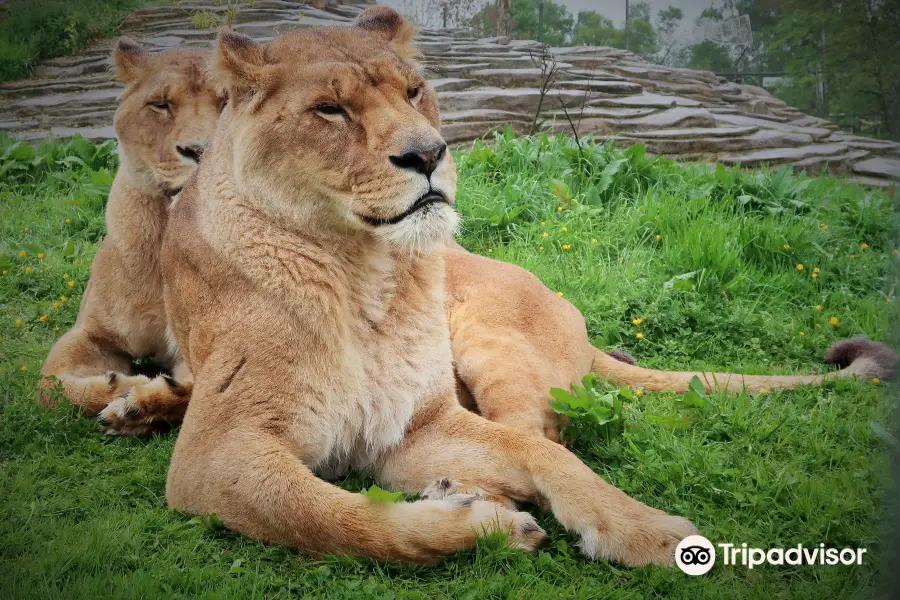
(880, 166)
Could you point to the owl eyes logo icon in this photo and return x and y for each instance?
(695, 555)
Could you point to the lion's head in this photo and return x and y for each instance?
(166, 115)
(336, 128)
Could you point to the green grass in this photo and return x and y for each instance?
(84, 516)
(31, 30)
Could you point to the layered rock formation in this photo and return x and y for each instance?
(487, 84)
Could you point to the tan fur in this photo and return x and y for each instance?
(318, 334)
(122, 315)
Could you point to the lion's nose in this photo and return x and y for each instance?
(421, 159)
(191, 152)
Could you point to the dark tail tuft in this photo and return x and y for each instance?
(874, 358)
(622, 356)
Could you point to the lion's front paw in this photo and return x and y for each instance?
(489, 512)
(648, 539)
(146, 409)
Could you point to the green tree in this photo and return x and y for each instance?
(642, 36)
(856, 45)
(557, 23)
(709, 56)
(593, 29)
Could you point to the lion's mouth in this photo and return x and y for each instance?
(432, 197)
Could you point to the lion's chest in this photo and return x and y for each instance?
(395, 357)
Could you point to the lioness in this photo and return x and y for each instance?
(165, 117)
(304, 283)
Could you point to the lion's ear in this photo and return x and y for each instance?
(128, 60)
(238, 64)
(388, 23)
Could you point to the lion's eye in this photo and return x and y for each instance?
(330, 109)
(414, 93)
(161, 105)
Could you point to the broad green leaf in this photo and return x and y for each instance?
(379, 495)
(691, 398)
(697, 386)
(680, 283)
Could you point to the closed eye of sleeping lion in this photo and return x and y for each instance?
(304, 282)
(166, 114)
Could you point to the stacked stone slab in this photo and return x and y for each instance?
(487, 84)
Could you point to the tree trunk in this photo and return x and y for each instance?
(504, 18)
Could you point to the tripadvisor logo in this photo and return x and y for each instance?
(695, 555)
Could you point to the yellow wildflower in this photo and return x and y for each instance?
(23, 368)
(559, 209)
(28, 269)
(564, 229)
(65, 275)
(55, 305)
(863, 245)
(541, 248)
(43, 318)
(566, 246)
(26, 230)
(876, 381)
(63, 299)
(818, 307)
(71, 284)
(545, 234)
(639, 335)
(815, 275)
(593, 240)
(800, 267)
(639, 393)
(787, 246)
(802, 334)
(4, 272)
(490, 250)
(543, 222)
(834, 321)
(763, 391)
(560, 294)
(21, 254)
(659, 237)
(823, 225)
(896, 251)
(18, 322)
(68, 221)
(40, 255)
(637, 321)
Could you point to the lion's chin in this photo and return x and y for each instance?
(424, 230)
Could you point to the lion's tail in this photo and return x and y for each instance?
(856, 356)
